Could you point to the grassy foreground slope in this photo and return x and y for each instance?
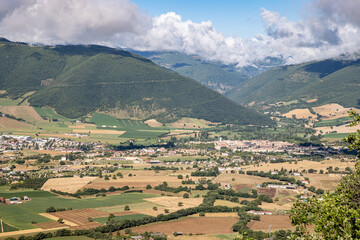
(326, 81)
(78, 80)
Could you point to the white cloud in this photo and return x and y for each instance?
(333, 28)
(72, 21)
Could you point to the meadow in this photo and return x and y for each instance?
(22, 215)
(50, 114)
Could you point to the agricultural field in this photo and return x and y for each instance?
(127, 128)
(303, 165)
(21, 215)
(49, 113)
(332, 122)
(4, 227)
(9, 102)
(139, 179)
(277, 222)
(303, 113)
(70, 185)
(72, 238)
(100, 119)
(103, 220)
(241, 182)
(194, 225)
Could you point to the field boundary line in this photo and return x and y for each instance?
(48, 215)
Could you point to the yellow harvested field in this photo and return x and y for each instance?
(303, 113)
(153, 123)
(171, 203)
(98, 131)
(139, 179)
(25, 112)
(276, 206)
(339, 129)
(11, 124)
(50, 152)
(221, 214)
(240, 180)
(190, 123)
(306, 164)
(324, 181)
(70, 185)
(220, 202)
(333, 111)
(277, 222)
(312, 100)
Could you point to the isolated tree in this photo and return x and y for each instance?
(336, 216)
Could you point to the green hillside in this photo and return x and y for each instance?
(328, 81)
(79, 80)
(215, 76)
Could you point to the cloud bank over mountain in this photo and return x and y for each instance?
(332, 27)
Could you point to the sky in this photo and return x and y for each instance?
(235, 32)
(231, 17)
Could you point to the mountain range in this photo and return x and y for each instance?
(335, 80)
(215, 75)
(77, 80)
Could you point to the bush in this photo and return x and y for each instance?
(50, 209)
(186, 195)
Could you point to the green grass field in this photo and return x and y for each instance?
(226, 236)
(133, 206)
(134, 129)
(132, 124)
(50, 113)
(8, 228)
(333, 122)
(22, 215)
(9, 102)
(336, 135)
(30, 194)
(70, 238)
(101, 119)
(103, 220)
(132, 133)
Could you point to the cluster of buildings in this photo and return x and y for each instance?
(15, 143)
(264, 146)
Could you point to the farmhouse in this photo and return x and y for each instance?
(260, 212)
(282, 186)
(15, 200)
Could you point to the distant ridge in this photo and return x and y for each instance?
(77, 80)
(335, 80)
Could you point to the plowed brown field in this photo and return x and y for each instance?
(194, 225)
